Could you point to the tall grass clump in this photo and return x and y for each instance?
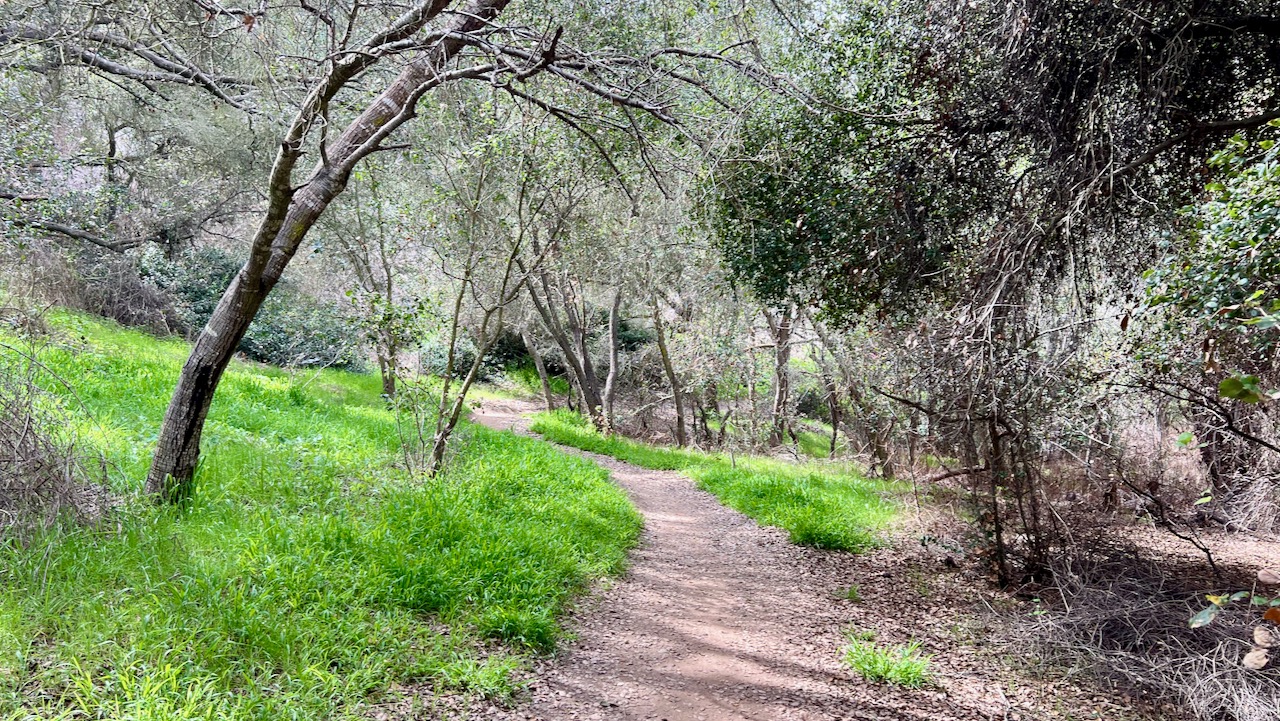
(902, 665)
(526, 377)
(309, 576)
(816, 506)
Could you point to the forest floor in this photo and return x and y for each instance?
(721, 619)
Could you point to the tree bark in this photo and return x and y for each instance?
(833, 407)
(178, 446)
(611, 380)
(582, 374)
(589, 383)
(548, 398)
(677, 393)
(753, 400)
(780, 326)
(291, 212)
(879, 432)
(387, 371)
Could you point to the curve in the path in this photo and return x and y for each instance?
(717, 619)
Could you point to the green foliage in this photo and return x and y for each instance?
(309, 575)
(817, 507)
(814, 445)
(900, 665)
(526, 376)
(811, 215)
(291, 328)
(822, 204)
(509, 350)
(1224, 276)
(851, 594)
(1270, 606)
(1244, 388)
(811, 402)
(434, 359)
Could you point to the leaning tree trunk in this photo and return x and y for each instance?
(291, 213)
(682, 438)
(548, 398)
(178, 447)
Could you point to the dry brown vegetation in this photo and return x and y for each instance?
(45, 471)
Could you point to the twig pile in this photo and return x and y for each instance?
(42, 470)
(1126, 616)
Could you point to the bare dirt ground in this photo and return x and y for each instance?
(719, 619)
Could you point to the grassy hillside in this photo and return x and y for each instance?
(818, 506)
(309, 575)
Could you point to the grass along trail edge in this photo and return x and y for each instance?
(310, 576)
(819, 507)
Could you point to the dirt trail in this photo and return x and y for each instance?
(719, 619)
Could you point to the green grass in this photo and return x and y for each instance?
(850, 593)
(526, 377)
(309, 576)
(814, 445)
(820, 507)
(900, 665)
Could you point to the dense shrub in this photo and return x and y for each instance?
(632, 336)
(508, 350)
(43, 469)
(292, 328)
(812, 403)
(91, 279)
(434, 358)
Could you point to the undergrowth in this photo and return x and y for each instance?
(902, 665)
(813, 444)
(526, 377)
(309, 576)
(818, 507)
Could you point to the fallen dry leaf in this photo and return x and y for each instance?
(1256, 659)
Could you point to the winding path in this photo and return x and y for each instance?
(719, 619)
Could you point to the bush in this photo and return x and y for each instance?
(434, 359)
(526, 377)
(291, 329)
(508, 350)
(812, 403)
(294, 330)
(1122, 611)
(43, 469)
(91, 279)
